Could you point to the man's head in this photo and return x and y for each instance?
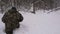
(13, 8)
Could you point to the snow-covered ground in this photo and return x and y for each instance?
(39, 23)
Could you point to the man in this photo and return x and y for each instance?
(11, 20)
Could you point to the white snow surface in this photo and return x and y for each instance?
(39, 23)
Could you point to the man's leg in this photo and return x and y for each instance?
(9, 32)
(8, 29)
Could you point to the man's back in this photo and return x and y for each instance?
(12, 16)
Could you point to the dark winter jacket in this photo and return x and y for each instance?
(12, 18)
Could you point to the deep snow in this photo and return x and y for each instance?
(39, 23)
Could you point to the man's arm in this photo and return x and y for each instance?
(4, 18)
(21, 18)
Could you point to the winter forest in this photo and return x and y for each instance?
(25, 5)
(40, 16)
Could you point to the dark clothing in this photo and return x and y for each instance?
(12, 16)
(12, 19)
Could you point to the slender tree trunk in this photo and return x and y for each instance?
(34, 8)
(12, 2)
(1, 9)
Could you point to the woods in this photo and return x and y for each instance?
(27, 4)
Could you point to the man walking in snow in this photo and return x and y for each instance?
(11, 20)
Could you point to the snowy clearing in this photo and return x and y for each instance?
(39, 23)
